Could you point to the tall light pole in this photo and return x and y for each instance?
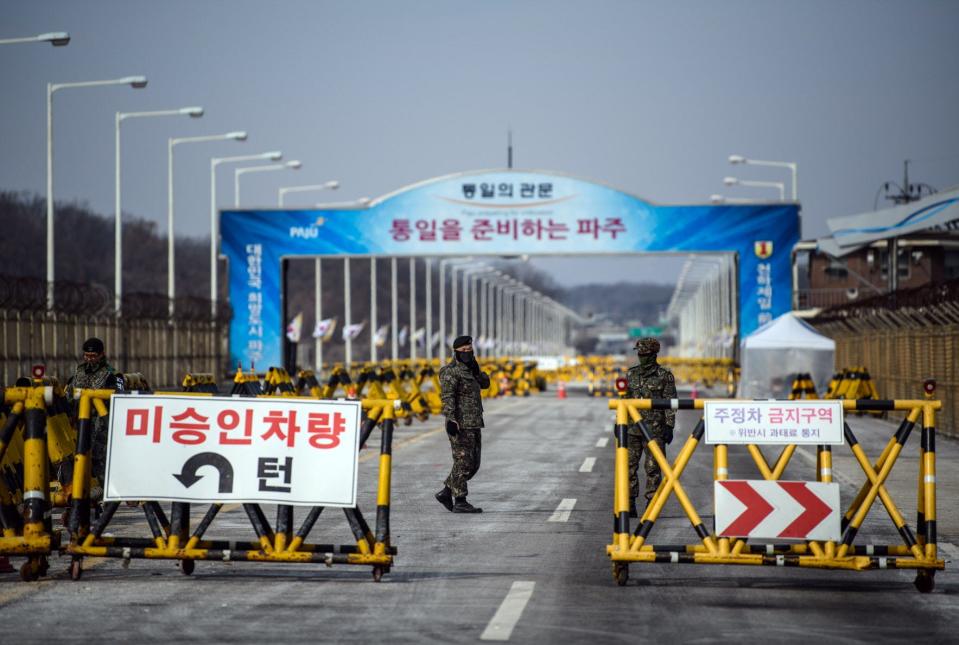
(283, 192)
(55, 38)
(194, 112)
(239, 172)
(170, 258)
(136, 82)
(781, 186)
(793, 167)
(275, 155)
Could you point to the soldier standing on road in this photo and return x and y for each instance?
(649, 380)
(95, 373)
(460, 383)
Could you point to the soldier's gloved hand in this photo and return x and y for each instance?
(668, 435)
(452, 428)
(474, 367)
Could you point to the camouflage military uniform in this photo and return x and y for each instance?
(99, 376)
(462, 403)
(649, 382)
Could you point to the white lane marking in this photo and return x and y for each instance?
(561, 514)
(501, 625)
(588, 464)
(602, 443)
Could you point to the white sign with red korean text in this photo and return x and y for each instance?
(774, 422)
(777, 510)
(233, 449)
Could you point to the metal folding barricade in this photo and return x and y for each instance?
(918, 550)
(175, 539)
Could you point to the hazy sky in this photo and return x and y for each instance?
(648, 97)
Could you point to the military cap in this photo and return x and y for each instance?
(93, 346)
(647, 346)
(462, 341)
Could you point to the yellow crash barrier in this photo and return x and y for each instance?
(917, 551)
(173, 539)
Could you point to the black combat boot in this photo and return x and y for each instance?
(462, 506)
(445, 497)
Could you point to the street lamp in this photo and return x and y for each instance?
(237, 172)
(330, 185)
(136, 82)
(733, 181)
(194, 112)
(274, 155)
(793, 167)
(55, 38)
(175, 141)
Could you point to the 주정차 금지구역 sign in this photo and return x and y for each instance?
(773, 422)
(233, 449)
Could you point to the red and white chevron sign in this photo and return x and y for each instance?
(777, 509)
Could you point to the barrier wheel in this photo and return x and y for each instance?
(407, 421)
(76, 568)
(925, 580)
(620, 573)
(377, 573)
(187, 567)
(28, 571)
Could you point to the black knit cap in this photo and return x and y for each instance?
(93, 346)
(462, 341)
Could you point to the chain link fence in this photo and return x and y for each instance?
(903, 338)
(144, 339)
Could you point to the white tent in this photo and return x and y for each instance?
(774, 353)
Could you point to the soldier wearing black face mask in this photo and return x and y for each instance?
(460, 383)
(649, 380)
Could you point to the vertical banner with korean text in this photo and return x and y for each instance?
(233, 449)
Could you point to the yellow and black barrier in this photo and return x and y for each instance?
(172, 539)
(803, 387)
(29, 533)
(918, 550)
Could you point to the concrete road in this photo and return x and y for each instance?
(531, 568)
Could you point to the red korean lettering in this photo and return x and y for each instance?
(614, 226)
(323, 434)
(401, 230)
(427, 230)
(481, 230)
(451, 230)
(229, 420)
(277, 419)
(588, 227)
(189, 427)
(138, 422)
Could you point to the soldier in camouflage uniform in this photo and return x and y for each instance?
(95, 373)
(460, 383)
(649, 380)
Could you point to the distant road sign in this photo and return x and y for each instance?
(777, 509)
(640, 332)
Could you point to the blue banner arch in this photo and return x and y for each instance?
(498, 212)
